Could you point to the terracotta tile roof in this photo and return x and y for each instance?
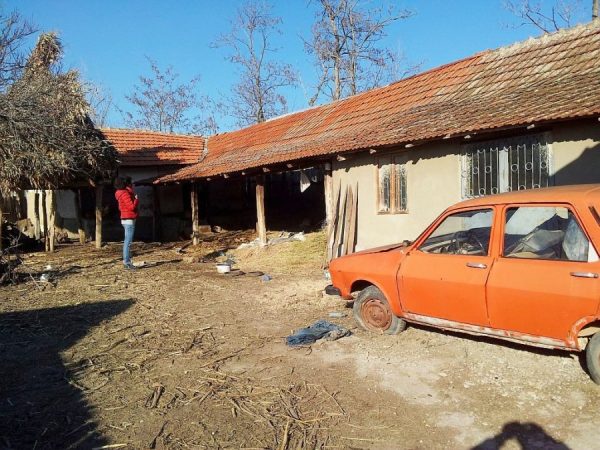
(151, 148)
(550, 78)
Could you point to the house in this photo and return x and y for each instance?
(164, 211)
(518, 117)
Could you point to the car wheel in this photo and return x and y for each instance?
(592, 355)
(373, 313)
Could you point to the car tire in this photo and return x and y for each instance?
(373, 313)
(592, 356)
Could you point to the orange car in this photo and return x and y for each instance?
(521, 266)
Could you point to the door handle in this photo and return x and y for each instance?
(584, 274)
(477, 265)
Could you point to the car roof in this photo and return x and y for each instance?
(567, 194)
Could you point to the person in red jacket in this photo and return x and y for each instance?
(128, 203)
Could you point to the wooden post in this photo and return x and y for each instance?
(261, 226)
(37, 228)
(1, 220)
(45, 221)
(77, 202)
(99, 189)
(195, 215)
(156, 214)
(51, 220)
(328, 198)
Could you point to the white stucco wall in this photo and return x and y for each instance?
(434, 179)
(433, 183)
(576, 152)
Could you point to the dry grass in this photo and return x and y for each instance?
(304, 256)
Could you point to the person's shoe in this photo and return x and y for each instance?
(129, 266)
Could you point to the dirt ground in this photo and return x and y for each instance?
(175, 355)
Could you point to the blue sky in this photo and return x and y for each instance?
(108, 41)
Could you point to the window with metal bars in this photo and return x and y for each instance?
(506, 165)
(391, 186)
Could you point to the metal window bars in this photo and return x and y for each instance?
(511, 164)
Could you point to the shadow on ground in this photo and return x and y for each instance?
(528, 436)
(40, 406)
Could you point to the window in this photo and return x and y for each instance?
(465, 233)
(545, 232)
(391, 186)
(508, 165)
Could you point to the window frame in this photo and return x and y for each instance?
(394, 162)
(570, 208)
(544, 137)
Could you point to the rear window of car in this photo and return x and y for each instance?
(545, 232)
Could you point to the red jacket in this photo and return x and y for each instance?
(128, 203)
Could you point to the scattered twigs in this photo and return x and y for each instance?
(153, 400)
(159, 434)
(286, 436)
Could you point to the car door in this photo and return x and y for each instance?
(445, 276)
(546, 277)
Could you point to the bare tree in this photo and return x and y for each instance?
(13, 33)
(547, 16)
(345, 45)
(100, 101)
(256, 97)
(206, 123)
(161, 103)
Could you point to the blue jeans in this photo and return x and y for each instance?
(129, 230)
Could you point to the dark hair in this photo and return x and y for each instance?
(128, 181)
(119, 183)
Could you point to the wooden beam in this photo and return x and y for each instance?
(156, 214)
(328, 198)
(195, 215)
(353, 224)
(348, 215)
(45, 221)
(1, 220)
(77, 202)
(334, 225)
(37, 226)
(99, 191)
(339, 232)
(261, 226)
(51, 220)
